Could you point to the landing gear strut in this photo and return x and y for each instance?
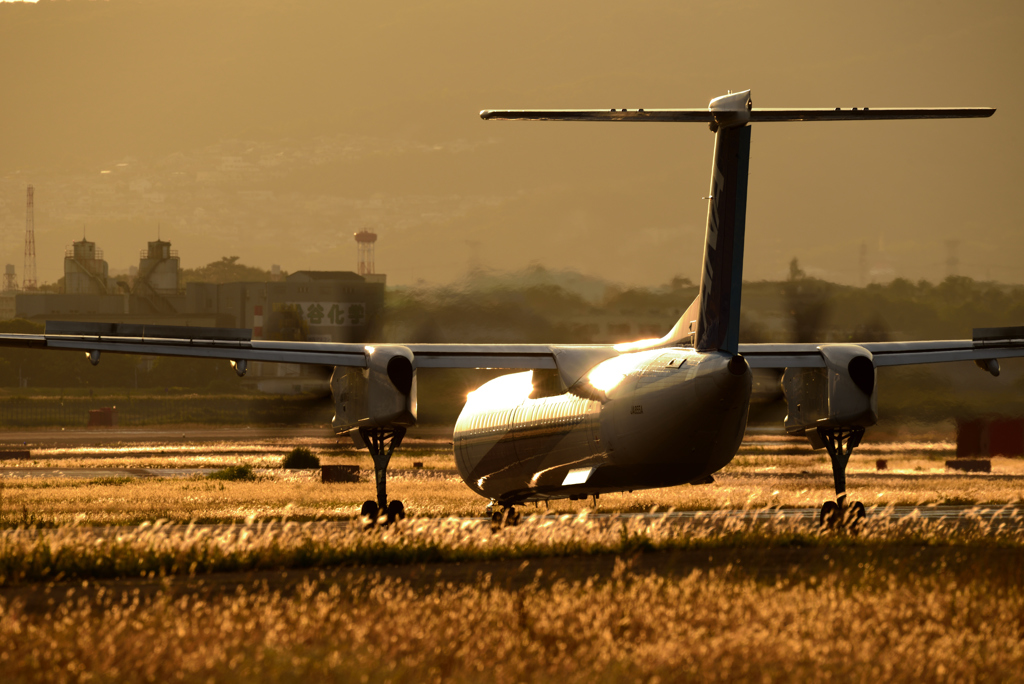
(504, 516)
(840, 443)
(382, 442)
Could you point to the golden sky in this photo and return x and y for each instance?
(273, 130)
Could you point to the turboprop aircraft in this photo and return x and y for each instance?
(582, 420)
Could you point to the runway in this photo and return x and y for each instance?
(191, 434)
(98, 473)
(894, 513)
(1010, 515)
(112, 456)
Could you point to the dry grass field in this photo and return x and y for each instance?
(575, 599)
(278, 591)
(717, 625)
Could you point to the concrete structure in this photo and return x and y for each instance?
(315, 306)
(319, 306)
(159, 268)
(324, 306)
(159, 277)
(110, 308)
(85, 271)
(6, 306)
(91, 295)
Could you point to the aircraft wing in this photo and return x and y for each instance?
(987, 343)
(235, 344)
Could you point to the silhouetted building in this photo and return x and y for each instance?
(159, 269)
(85, 271)
(10, 279)
(320, 306)
(316, 306)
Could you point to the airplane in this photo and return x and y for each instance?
(578, 421)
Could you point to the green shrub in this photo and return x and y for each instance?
(235, 472)
(300, 458)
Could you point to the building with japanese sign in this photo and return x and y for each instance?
(318, 306)
(315, 306)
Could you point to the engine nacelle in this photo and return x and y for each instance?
(840, 395)
(381, 395)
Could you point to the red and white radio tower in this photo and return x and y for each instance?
(364, 254)
(29, 275)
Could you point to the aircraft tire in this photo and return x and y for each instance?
(396, 511)
(830, 515)
(856, 516)
(369, 510)
(510, 517)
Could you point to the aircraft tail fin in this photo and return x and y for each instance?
(712, 321)
(721, 278)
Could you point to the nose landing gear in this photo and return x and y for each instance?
(382, 443)
(840, 443)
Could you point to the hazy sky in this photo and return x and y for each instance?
(273, 130)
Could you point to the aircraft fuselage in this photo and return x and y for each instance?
(656, 418)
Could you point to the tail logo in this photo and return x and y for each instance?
(707, 282)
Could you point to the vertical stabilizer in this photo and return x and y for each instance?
(712, 322)
(718, 322)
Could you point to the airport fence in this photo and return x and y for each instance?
(22, 412)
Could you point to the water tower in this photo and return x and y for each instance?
(365, 240)
(10, 279)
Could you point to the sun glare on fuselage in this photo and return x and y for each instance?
(501, 392)
(608, 374)
(638, 345)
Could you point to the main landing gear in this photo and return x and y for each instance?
(502, 516)
(840, 443)
(382, 442)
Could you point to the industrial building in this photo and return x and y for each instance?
(325, 306)
(321, 306)
(90, 294)
(85, 271)
(317, 306)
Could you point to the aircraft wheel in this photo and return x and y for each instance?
(510, 517)
(830, 515)
(496, 518)
(369, 510)
(856, 516)
(396, 511)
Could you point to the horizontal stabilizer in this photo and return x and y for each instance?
(756, 115)
(686, 115)
(998, 334)
(865, 114)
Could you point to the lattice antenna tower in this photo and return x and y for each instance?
(365, 240)
(29, 274)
